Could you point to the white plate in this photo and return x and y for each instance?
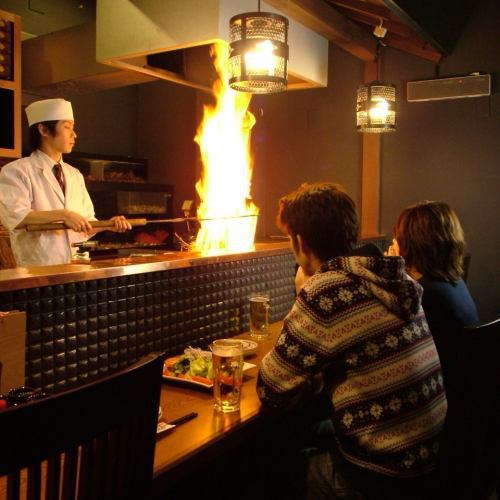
(188, 381)
(249, 347)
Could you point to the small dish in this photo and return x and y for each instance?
(249, 347)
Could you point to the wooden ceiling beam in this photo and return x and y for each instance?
(391, 26)
(415, 47)
(329, 23)
(378, 11)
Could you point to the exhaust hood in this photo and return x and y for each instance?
(63, 64)
(171, 39)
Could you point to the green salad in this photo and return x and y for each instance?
(194, 363)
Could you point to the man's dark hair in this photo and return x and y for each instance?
(36, 138)
(325, 217)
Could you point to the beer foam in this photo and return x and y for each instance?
(259, 299)
(227, 349)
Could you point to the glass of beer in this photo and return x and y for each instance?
(227, 362)
(259, 314)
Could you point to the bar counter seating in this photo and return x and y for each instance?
(212, 442)
(94, 442)
(86, 324)
(88, 321)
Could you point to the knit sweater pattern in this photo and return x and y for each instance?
(359, 320)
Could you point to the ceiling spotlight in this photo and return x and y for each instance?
(379, 31)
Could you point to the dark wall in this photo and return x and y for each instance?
(105, 122)
(166, 127)
(307, 135)
(450, 150)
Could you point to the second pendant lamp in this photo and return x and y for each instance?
(376, 105)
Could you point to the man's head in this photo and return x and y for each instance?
(52, 125)
(321, 221)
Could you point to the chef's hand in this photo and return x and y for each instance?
(121, 224)
(76, 222)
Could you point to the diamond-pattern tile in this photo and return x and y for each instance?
(79, 331)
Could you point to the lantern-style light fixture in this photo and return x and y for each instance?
(258, 62)
(376, 101)
(376, 107)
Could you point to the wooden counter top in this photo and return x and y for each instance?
(176, 453)
(31, 277)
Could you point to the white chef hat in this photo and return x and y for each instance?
(48, 110)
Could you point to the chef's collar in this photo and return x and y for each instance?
(47, 160)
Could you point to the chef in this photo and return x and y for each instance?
(43, 188)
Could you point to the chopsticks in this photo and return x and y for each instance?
(184, 418)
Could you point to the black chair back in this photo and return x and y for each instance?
(93, 442)
(470, 449)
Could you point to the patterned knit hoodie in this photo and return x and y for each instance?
(360, 320)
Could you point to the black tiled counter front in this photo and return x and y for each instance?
(88, 323)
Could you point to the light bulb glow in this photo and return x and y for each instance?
(379, 110)
(261, 60)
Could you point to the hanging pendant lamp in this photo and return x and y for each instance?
(376, 101)
(258, 62)
(376, 107)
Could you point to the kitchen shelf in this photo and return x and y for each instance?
(6, 84)
(106, 186)
(10, 89)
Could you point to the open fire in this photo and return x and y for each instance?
(224, 187)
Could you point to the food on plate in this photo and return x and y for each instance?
(194, 364)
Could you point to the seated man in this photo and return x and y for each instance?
(358, 322)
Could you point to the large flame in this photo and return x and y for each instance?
(224, 187)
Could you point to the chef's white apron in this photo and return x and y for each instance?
(29, 184)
